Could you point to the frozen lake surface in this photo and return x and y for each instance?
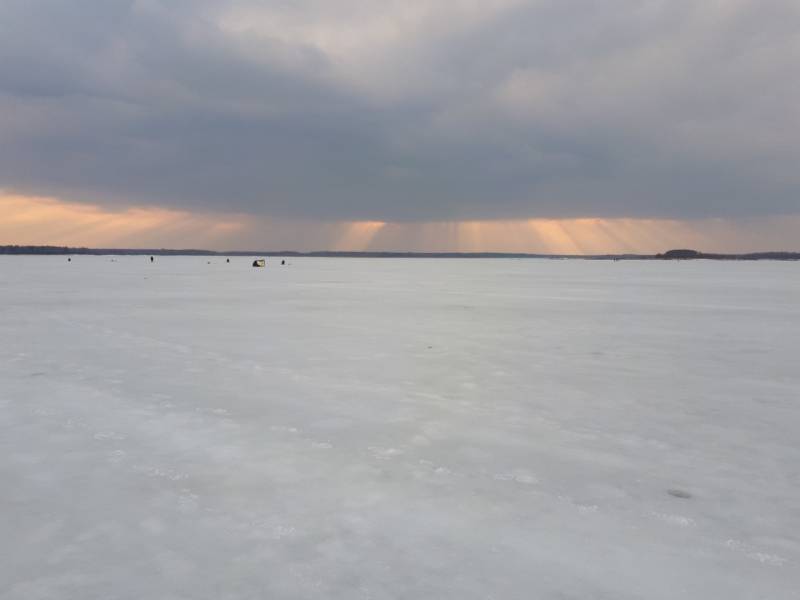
(356, 428)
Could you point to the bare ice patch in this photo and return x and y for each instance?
(676, 493)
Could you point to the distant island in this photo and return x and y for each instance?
(677, 254)
(685, 254)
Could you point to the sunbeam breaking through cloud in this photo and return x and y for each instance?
(36, 220)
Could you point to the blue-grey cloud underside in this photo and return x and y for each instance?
(405, 110)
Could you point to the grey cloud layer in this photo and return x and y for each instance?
(405, 110)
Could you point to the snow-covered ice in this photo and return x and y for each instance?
(356, 428)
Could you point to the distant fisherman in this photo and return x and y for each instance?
(151, 259)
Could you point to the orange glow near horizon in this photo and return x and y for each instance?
(27, 220)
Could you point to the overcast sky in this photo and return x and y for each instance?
(407, 110)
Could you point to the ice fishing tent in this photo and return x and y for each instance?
(259, 262)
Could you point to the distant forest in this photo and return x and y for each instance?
(678, 254)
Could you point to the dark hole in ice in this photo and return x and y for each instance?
(679, 494)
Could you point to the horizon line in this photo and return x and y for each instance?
(51, 250)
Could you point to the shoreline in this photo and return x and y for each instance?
(14, 250)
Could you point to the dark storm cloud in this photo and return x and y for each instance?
(405, 110)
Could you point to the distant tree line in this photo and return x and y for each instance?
(685, 254)
(678, 254)
(100, 251)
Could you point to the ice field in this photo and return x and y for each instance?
(381, 428)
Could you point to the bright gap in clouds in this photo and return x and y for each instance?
(36, 220)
